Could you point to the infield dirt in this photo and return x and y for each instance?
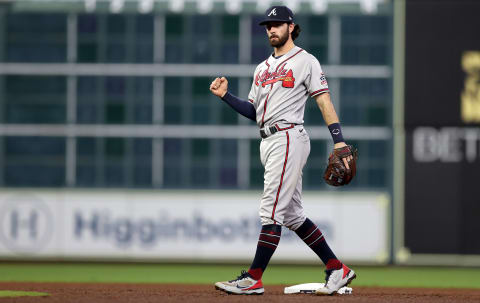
(138, 293)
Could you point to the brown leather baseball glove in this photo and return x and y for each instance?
(336, 173)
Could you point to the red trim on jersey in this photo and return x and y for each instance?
(266, 99)
(288, 59)
(251, 101)
(285, 128)
(281, 179)
(265, 105)
(318, 91)
(271, 85)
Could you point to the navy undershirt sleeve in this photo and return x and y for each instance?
(243, 107)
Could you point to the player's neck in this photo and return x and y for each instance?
(280, 51)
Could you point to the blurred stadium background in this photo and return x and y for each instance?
(113, 148)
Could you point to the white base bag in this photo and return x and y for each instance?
(310, 288)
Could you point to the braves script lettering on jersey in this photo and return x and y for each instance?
(301, 76)
(279, 92)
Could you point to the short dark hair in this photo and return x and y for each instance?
(296, 32)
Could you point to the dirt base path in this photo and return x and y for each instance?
(139, 293)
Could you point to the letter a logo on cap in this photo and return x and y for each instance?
(273, 12)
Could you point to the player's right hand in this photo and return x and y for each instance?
(219, 87)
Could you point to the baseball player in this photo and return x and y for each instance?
(281, 86)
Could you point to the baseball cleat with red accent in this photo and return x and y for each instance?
(336, 279)
(242, 285)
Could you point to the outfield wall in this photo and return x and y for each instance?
(207, 226)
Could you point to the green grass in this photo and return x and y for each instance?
(17, 293)
(208, 274)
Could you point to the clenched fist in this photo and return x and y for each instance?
(219, 87)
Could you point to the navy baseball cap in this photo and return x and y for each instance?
(278, 14)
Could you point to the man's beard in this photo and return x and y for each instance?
(281, 40)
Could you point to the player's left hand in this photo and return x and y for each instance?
(347, 159)
(342, 165)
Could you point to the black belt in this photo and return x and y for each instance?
(273, 129)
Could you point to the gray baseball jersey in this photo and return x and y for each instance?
(279, 92)
(282, 86)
